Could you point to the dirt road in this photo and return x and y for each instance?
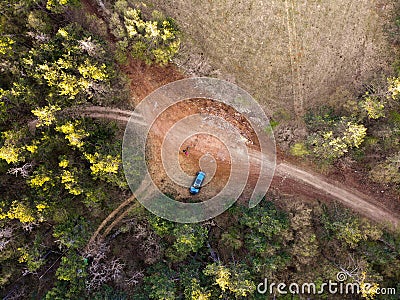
(327, 189)
(363, 204)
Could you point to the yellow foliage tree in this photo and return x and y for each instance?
(367, 290)
(72, 133)
(196, 292)
(10, 152)
(46, 115)
(373, 106)
(20, 212)
(394, 87)
(71, 183)
(154, 40)
(38, 180)
(334, 143)
(103, 165)
(6, 45)
(236, 281)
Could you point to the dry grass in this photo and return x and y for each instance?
(289, 54)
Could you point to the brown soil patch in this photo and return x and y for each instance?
(199, 145)
(146, 78)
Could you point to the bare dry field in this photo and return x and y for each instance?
(290, 55)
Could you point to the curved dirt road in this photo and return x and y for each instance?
(349, 197)
(325, 188)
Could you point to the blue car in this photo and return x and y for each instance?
(195, 187)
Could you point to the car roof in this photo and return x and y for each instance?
(200, 176)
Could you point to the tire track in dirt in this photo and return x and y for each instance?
(109, 113)
(97, 234)
(327, 189)
(349, 197)
(116, 216)
(295, 53)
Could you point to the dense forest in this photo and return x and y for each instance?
(61, 175)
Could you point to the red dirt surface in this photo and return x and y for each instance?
(199, 145)
(146, 78)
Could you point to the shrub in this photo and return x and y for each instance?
(154, 41)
